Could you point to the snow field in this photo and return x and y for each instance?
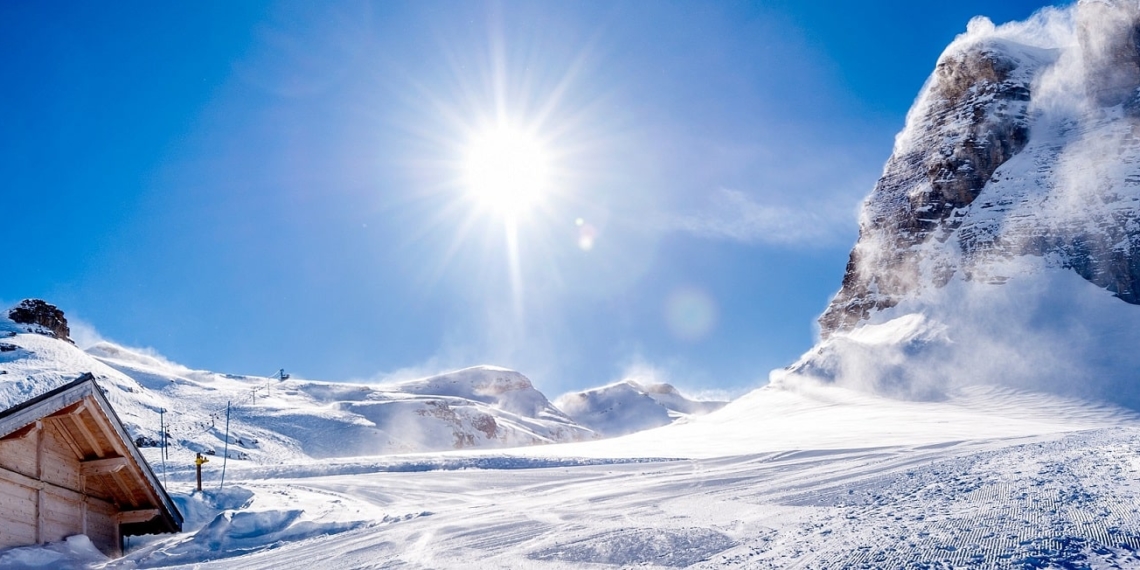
(1064, 500)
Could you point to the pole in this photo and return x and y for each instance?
(227, 448)
(162, 449)
(198, 461)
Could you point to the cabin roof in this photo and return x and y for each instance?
(114, 468)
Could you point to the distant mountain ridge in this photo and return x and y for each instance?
(272, 421)
(630, 406)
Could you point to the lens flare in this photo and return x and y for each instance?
(587, 234)
(690, 314)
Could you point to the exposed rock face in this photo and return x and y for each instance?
(42, 315)
(1002, 158)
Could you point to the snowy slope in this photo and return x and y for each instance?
(1054, 502)
(1045, 329)
(630, 406)
(275, 422)
(805, 473)
(813, 478)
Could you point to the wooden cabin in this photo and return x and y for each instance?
(67, 467)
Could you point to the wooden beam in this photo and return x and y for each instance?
(101, 466)
(40, 514)
(20, 433)
(149, 494)
(105, 427)
(66, 436)
(136, 516)
(69, 410)
(130, 496)
(88, 436)
(39, 449)
(83, 507)
(72, 412)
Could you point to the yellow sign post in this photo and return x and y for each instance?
(198, 461)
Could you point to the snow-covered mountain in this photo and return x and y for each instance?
(630, 406)
(275, 421)
(1021, 144)
(1002, 243)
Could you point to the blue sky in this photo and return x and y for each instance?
(263, 185)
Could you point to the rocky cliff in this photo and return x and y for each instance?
(41, 317)
(1025, 142)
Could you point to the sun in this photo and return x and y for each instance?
(506, 170)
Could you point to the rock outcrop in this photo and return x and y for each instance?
(1001, 158)
(43, 317)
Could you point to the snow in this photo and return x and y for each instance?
(1068, 198)
(74, 553)
(630, 406)
(1044, 329)
(819, 469)
(252, 523)
(675, 401)
(274, 422)
(1065, 500)
(805, 471)
(615, 410)
(990, 422)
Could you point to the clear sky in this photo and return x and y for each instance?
(249, 186)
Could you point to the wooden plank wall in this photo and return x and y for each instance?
(59, 464)
(19, 454)
(103, 527)
(51, 512)
(62, 517)
(18, 503)
(17, 515)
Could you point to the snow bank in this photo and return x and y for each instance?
(237, 533)
(75, 553)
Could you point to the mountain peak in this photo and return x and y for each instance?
(1020, 144)
(42, 317)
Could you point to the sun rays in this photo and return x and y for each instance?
(507, 171)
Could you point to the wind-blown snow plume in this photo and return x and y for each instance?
(735, 216)
(1020, 159)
